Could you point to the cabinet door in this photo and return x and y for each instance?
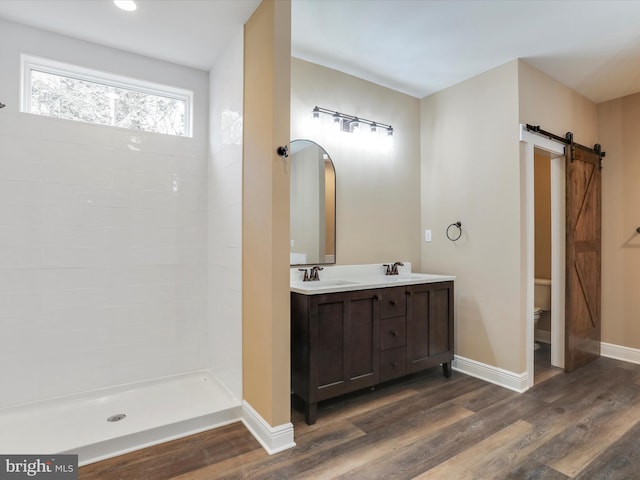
(344, 336)
(429, 325)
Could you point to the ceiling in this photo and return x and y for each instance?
(414, 46)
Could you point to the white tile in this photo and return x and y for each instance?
(24, 303)
(20, 235)
(104, 241)
(19, 280)
(77, 298)
(24, 256)
(20, 214)
(60, 195)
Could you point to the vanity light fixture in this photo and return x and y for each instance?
(351, 123)
(127, 5)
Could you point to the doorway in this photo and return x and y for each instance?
(554, 151)
(543, 253)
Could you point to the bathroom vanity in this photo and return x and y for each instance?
(354, 329)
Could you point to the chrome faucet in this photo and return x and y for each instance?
(313, 276)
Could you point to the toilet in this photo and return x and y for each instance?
(541, 300)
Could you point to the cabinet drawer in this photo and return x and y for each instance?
(393, 333)
(393, 363)
(393, 302)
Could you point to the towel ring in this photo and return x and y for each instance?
(453, 237)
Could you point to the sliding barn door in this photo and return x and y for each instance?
(582, 335)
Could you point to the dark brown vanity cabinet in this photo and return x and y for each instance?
(345, 341)
(393, 333)
(430, 326)
(334, 345)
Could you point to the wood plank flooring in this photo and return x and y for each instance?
(583, 425)
(542, 364)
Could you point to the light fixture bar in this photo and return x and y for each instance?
(338, 116)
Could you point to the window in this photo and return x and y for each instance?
(59, 90)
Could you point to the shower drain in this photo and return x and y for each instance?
(116, 418)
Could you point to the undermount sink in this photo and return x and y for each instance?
(401, 277)
(405, 277)
(323, 284)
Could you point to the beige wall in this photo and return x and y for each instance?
(378, 190)
(265, 222)
(555, 107)
(619, 124)
(542, 200)
(471, 173)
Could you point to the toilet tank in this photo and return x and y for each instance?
(542, 294)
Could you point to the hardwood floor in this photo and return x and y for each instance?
(582, 425)
(543, 370)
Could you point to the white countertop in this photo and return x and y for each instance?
(344, 278)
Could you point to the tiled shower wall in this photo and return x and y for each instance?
(225, 216)
(103, 256)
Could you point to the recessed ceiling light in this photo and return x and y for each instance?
(128, 5)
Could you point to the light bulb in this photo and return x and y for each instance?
(355, 125)
(337, 121)
(127, 5)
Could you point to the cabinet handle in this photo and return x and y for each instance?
(377, 297)
(395, 364)
(409, 293)
(393, 302)
(393, 333)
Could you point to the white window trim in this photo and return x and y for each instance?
(28, 63)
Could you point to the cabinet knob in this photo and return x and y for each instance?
(393, 333)
(377, 297)
(393, 302)
(409, 292)
(395, 364)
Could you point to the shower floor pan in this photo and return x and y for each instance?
(109, 422)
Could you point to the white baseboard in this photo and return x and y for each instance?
(272, 439)
(619, 352)
(518, 381)
(498, 376)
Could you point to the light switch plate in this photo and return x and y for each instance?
(427, 235)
